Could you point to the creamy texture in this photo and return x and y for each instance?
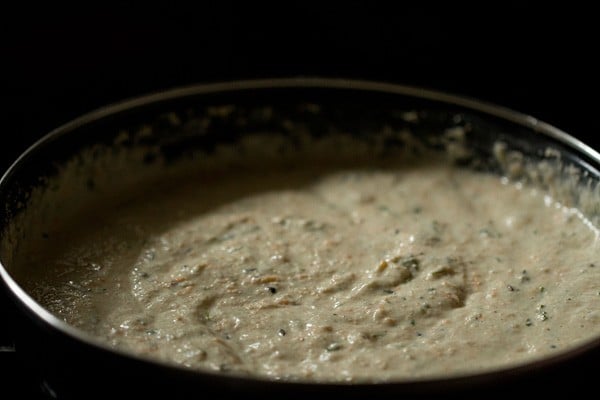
(358, 274)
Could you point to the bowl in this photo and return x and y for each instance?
(137, 140)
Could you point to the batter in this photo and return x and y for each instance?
(330, 273)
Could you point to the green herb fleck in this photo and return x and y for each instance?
(485, 232)
(441, 272)
(542, 314)
(372, 336)
(313, 226)
(411, 263)
(432, 241)
(438, 227)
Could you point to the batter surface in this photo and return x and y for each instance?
(330, 274)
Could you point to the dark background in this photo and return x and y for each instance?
(56, 64)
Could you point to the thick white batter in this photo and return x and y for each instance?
(344, 274)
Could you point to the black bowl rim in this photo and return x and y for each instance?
(40, 314)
